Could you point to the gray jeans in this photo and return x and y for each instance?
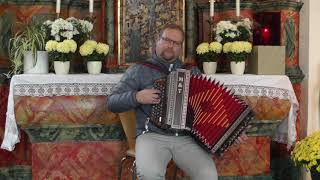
(154, 151)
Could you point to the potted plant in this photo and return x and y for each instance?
(237, 53)
(71, 28)
(94, 53)
(209, 55)
(26, 51)
(233, 30)
(61, 53)
(306, 153)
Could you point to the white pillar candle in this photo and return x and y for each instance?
(58, 4)
(212, 8)
(238, 8)
(90, 6)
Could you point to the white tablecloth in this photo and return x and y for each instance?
(275, 86)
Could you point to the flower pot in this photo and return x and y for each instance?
(94, 67)
(209, 67)
(40, 65)
(315, 175)
(237, 67)
(61, 67)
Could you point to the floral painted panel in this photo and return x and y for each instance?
(250, 158)
(66, 110)
(140, 23)
(94, 160)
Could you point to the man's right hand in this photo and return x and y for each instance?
(148, 96)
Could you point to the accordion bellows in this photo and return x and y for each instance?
(206, 109)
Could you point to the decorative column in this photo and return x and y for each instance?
(190, 32)
(110, 33)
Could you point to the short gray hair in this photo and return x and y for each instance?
(172, 26)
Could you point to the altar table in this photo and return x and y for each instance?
(68, 114)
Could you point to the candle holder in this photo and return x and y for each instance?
(92, 19)
(91, 15)
(211, 27)
(57, 15)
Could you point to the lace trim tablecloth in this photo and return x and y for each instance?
(274, 86)
(52, 85)
(83, 84)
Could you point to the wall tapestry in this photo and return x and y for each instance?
(139, 24)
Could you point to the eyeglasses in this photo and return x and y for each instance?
(167, 40)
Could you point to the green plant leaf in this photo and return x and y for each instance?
(31, 38)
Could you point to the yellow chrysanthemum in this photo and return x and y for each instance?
(91, 43)
(72, 44)
(102, 48)
(240, 47)
(51, 45)
(86, 50)
(227, 47)
(63, 47)
(203, 48)
(307, 152)
(215, 47)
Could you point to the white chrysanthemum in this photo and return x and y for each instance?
(226, 30)
(47, 23)
(86, 26)
(225, 26)
(75, 31)
(246, 23)
(61, 25)
(57, 37)
(67, 34)
(232, 34)
(72, 19)
(218, 38)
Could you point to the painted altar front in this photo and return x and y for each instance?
(74, 136)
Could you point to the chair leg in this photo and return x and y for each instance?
(134, 170)
(120, 167)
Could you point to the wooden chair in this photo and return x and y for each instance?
(128, 120)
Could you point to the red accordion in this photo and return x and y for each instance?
(203, 107)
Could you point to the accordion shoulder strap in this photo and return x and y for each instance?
(189, 66)
(154, 66)
(164, 71)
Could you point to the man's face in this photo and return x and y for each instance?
(169, 45)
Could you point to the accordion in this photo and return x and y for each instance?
(207, 110)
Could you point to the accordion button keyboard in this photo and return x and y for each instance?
(158, 110)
